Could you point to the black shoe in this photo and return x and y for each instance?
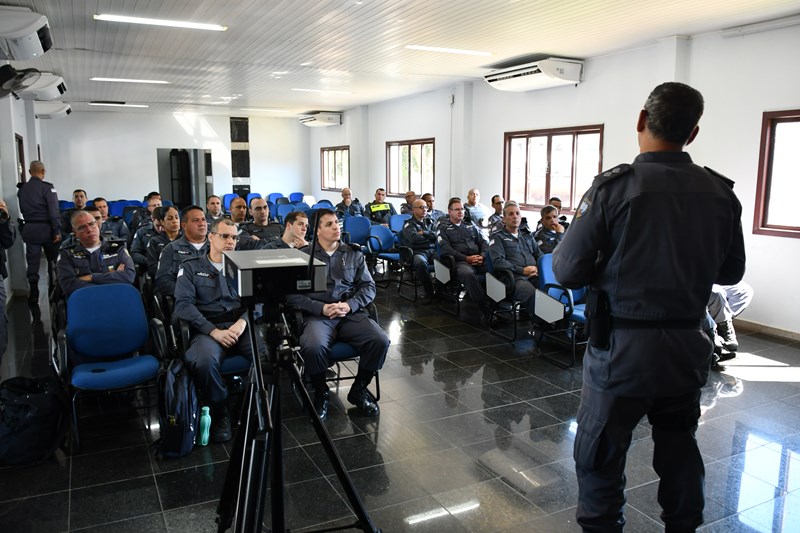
(728, 334)
(33, 297)
(360, 396)
(220, 425)
(322, 402)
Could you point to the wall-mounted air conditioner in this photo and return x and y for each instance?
(23, 34)
(48, 87)
(321, 119)
(51, 109)
(542, 74)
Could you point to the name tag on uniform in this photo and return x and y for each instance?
(203, 274)
(109, 256)
(183, 252)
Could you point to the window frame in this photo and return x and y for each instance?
(769, 120)
(333, 150)
(509, 136)
(410, 143)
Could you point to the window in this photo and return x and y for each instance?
(409, 166)
(778, 187)
(335, 165)
(545, 163)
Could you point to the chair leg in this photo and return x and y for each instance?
(75, 435)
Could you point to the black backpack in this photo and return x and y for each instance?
(178, 410)
(34, 419)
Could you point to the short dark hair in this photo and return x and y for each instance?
(673, 110)
(153, 194)
(380, 189)
(554, 199)
(185, 212)
(213, 196)
(290, 218)
(321, 212)
(160, 213)
(426, 195)
(91, 208)
(548, 209)
(250, 205)
(99, 199)
(453, 200)
(78, 190)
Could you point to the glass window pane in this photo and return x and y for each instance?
(784, 186)
(537, 171)
(586, 165)
(394, 168)
(345, 169)
(415, 182)
(518, 159)
(561, 168)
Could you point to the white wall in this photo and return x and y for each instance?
(278, 163)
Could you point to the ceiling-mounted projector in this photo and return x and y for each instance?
(321, 119)
(23, 34)
(47, 87)
(51, 109)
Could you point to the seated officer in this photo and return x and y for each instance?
(349, 207)
(147, 230)
(294, 235)
(551, 231)
(92, 260)
(79, 199)
(407, 207)
(144, 215)
(380, 210)
(113, 227)
(213, 209)
(169, 220)
(434, 213)
(193, 243)
(496, 219)
(238, 212)
(515, 250)
(207, 300)
(260, 228)
(419, 235)
(340, 314)
(464, 242)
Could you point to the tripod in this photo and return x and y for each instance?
(257, 455)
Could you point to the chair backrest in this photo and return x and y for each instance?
(396, 222)
(358, 229)
(296, 197)
(273, 197)
(301, 206)
(251, 196)
(117, 209)
(282, 210)
(282, 200)
(93, 333)
(227, 199)
(325, 202)
(381, 239)
(63, 205)
(548, 277)
(128, 212)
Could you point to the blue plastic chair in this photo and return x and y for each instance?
(282, 210)
(99, 352)
(273, 197)
(324, 203)
(227, 199)
(296, 197)
(356, 230)
(63, 205)
(251, 196)
(381, 247)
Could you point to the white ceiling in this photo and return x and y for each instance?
(355, 47)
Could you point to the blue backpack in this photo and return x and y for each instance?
(178, 410)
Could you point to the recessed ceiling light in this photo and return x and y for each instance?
(117, 104)
(321, 91)
(126, 80)
(281, 72)
(265, 110)
(307, 63)
(447, 50)
(161, 22)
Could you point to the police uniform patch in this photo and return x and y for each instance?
(180, 272)
(583, 207)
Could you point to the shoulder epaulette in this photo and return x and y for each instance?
(729, 182)
(611, 174)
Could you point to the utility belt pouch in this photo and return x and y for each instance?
(598, 320)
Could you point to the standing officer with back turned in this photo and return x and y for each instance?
(647, 351)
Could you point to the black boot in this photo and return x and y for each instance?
(321, 395)
(361, 397)
(728, 334)
(220, 423)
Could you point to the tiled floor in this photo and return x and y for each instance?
(475, 434)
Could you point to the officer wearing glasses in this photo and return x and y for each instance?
(92, 260)
(208, 301)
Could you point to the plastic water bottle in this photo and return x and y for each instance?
(205, 426)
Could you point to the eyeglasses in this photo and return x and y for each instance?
(84, 227)
(227, 236)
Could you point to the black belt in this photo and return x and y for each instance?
(230, 316)
(629, 323)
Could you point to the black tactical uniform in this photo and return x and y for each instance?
(513, 253)
(139, 244)
(547, 239)
(115, 228)
(458, 242)
(634, 239)
(38, 203)
(420, 236)
(354, 209)
(172, 255)
(103, 264)
(379, 213)
(154, 248)
(270, 232)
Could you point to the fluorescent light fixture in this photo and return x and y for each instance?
(264, 110)
(117, 104)
(756, 27)
(160, 22)
(321, 91)
(447, 50)
(127, 80)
